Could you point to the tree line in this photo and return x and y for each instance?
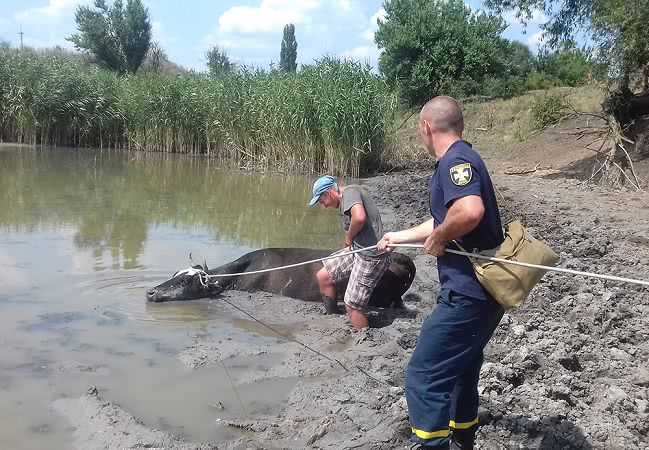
(428, 47)
(432, 47)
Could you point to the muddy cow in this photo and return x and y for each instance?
(297, 282)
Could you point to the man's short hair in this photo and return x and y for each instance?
(444, 114)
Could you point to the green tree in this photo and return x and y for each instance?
(218, 62)
(520, 60)
(618, 27)
(569, 66)
(118, 37)
(155, 59)
(438, 46)
(288, 53)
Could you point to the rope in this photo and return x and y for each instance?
(304, 263)
(534, 266)
(234, 388)
(292, 339)
(205, 277)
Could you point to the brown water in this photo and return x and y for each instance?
(83, 233)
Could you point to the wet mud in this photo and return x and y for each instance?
(569, 369)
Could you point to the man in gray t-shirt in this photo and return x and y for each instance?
(363, 228)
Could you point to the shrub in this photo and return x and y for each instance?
(541, 80)
(503, 88)
(548, 110)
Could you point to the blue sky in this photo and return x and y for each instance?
(249, 30)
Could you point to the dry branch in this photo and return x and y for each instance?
(522, 172)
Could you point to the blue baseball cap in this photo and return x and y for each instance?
(321, 186)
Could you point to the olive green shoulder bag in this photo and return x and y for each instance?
(507, 283)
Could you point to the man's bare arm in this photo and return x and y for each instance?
(358, 219)
(462, 217)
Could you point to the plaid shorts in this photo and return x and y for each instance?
(363, 272)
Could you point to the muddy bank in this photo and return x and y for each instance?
(99, 424)
(567, 370)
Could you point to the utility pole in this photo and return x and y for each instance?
(21, 37)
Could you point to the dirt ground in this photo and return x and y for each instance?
(567, 370)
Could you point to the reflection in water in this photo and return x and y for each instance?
(195, 311)
(83, 234)
(113, 199)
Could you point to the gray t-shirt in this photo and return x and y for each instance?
(372, 231)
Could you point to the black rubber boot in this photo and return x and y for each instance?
(462, 439)
(429, 447)
(330, 305)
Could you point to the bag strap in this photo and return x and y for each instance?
(473, 260)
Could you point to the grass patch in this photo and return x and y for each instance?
(496, 125)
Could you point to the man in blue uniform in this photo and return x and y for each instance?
(442, 375)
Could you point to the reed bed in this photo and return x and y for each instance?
(332, 116)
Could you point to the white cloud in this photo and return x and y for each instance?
(248, 42)
(536, 40)
(538, 18)
(46, 26)
(510, 18)
(368, 34)
(226, 43)
(159, 33)
(379, 15)
(364, 53)
(269, 16)
(54, 10)
(345, 5)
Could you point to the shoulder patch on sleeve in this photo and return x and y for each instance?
(461, 174)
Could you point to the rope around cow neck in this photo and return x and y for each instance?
(304, 263)
(205, 277)
(457, 252)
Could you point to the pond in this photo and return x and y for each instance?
(83, 234)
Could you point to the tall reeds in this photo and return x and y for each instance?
(331, 116)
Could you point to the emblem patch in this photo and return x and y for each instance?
(461, 174)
